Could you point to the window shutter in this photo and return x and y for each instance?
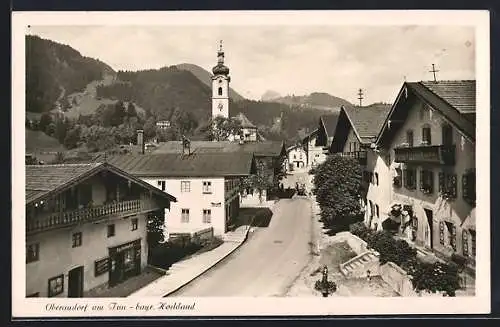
(465, 190)
(441, 182)
(441, 232)
(405, 178)
(422, 173)
(431, 181)
(453, 185)
(465, 243)
(453, 237)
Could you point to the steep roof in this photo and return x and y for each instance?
(215, 164)
(259, 149)
(440, 96)
(245, 122)
(43, 180)
(329, 122)
(460, 94)
(367, 121)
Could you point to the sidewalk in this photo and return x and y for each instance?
(183, 272)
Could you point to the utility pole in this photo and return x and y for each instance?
(434, 71)
(360, 97)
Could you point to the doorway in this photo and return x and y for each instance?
(430, 233)
(75, 282)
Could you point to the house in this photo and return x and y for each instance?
(248, 129)
(163, 124)
(206, 185)
(357, 129)
(86, 227)
(269, 158)
(317, 143)
(314, 153)
(296, 157)
(429, 140)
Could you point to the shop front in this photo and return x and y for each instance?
(125, 262)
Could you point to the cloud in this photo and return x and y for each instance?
(288, 59)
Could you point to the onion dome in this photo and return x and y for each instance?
(220, 69)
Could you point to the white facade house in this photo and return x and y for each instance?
(429, 140)
(315, 154)
(297, 158)
(163, 124)
(85, 228)
(206, 186)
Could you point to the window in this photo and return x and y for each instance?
(185, 186)
(376, 178)
(409, 138)
(162, 185)
(425, 112)
(294, 156)
(220, 91)
(473, 242)
(56, 285)
(426, 136)
(441, 232)
(452, 235)
(371, 209)
(207, 216)
(410, 178)
(426, 181)
(469, 187)
(77, 240)
(32, 252)
(207, 187)
(185, 216)
(447, 134)
(448, 185)
(111, 230)
(377, 212)
(135, 223)
(397, 180)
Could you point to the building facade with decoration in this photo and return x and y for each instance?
(428, 140)
(86, 227)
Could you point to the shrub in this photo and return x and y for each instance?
(330, 286)
(360, 230)
(436, 277)
(397, 251)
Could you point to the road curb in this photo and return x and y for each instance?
(218, 261)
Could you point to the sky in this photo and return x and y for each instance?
(287, 59)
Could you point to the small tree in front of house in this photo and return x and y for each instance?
(337, 186)
(221, 128)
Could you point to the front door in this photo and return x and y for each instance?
(75, 282)
(429, 233)
(116, 270)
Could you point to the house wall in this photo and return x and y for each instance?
(250, 134)
(297, 155)
(351, 138)
(455, 211)
(222, 82)
(57, 256)
(315, 155)
(378, 193)
(196, 201)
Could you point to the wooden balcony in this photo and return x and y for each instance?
(92, 214)
(359, 155)
(428, 154)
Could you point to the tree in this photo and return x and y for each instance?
(221, 128)
(45, 120)
(337, 186)
(149, 128)
(131, 111)
(72, 137)
(262, 180)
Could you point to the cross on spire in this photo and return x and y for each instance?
(220, 46)
(434, 71)
(360, 97)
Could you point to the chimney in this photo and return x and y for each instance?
(140, 140)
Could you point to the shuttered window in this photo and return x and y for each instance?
(465, 243)
(448, 185)
(441, 232)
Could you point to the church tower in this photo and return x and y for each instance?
(220, 87)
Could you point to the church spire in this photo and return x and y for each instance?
(220, 69)
(220, 54)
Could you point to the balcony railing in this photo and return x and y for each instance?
(431, 154)
(92, 214)
(360, 155)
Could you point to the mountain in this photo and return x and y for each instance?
(206, 78)
(54, 70)
(319, 100)
(270, 95)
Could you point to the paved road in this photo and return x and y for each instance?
(268, 263)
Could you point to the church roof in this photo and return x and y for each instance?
(259, 149)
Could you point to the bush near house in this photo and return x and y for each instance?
(432, 277)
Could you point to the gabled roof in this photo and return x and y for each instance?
(245, 122)
(44, 180)
(308, 136)
(215, 164)
(367, 121)
(439, 96)
(329, 122)
(259, 149)
(461, 94)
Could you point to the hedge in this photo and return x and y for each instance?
(432, 277)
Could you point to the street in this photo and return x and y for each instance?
(268, 262)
